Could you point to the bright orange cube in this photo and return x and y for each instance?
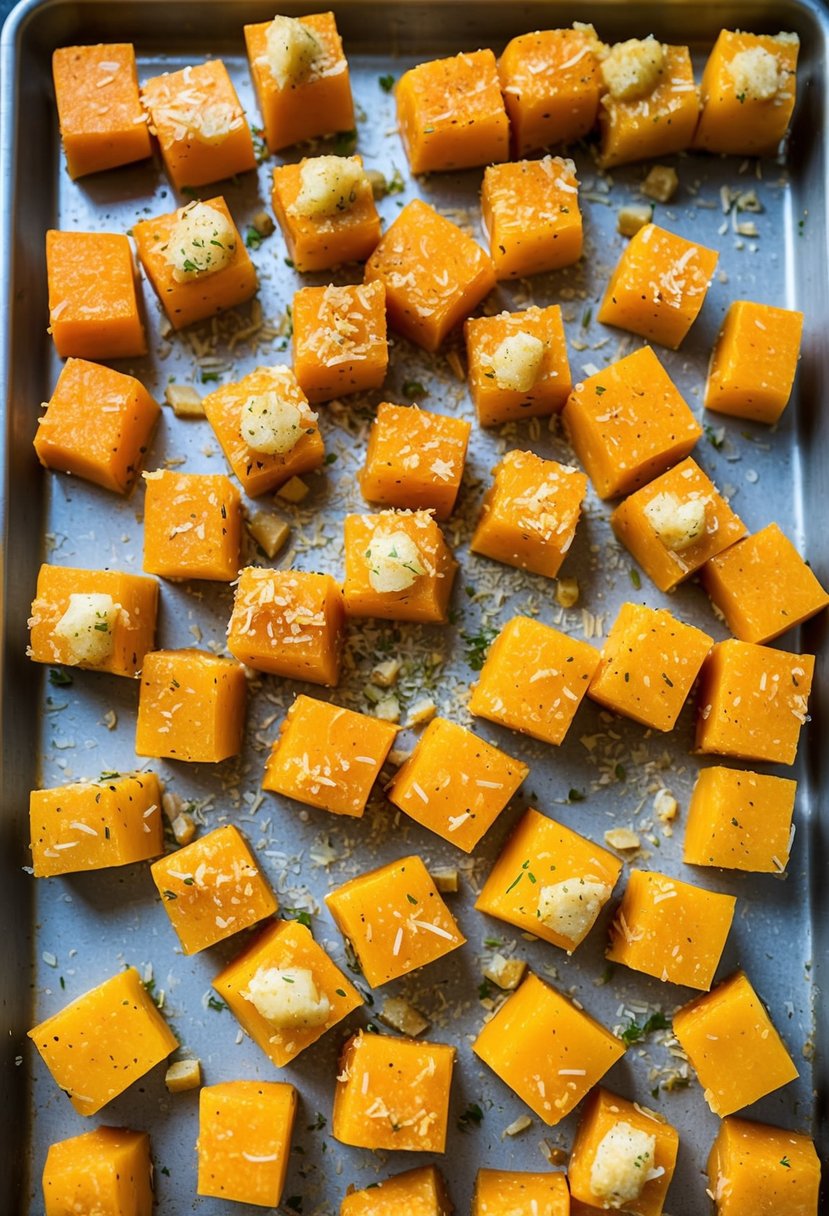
(102, 124)
(768, 1171)
(675, 275)
(340, 343)
(94, 310)
(518, 364)
(514, 1193)
(191, 706)
(414, 459)
(397, 566)
(531, 213)
(434, 274)
(418, 1192)
(740, 821)
(650, 113)
(754, 361)
(192, 525)
(108, 1171)
(244, 1140)
(325, 208)
(747, 93)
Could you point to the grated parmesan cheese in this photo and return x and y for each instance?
(329, 185)
(632, 69)
(291, 49)
(756, 74)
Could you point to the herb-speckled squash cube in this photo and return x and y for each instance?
(650, 104)
(418, 1192)
(192, 525)
(415, 459)
(531, 214)
(191, 706)
(102, 124)
(768, 1171)
(740, 821)
(325, 208)
(94, 310)
(340, 344)
(244, 1141)
(754, 361)
(108, 1171)
(514, 1193)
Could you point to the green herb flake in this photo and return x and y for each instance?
(473, 1116)
(253, 238)
(477, 645)
(635, 579)
(345, 143)
(59, 678)
(386, 82)
(215, 1004)
(575, 795)
(413, 389)
(784, 1161)
(634, 1033)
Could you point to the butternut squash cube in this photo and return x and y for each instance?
(729, 1038)
(649, 663)
(516, 1193)
(451, 114)
(754, 361)
(629, 423)
(96, 1046)
(94, 311)
(647, 112)
(327, 756)
(455, 784)
(286, 991)
(397, 566)
(534, 679)
(212, 889)
(393, 1093)
(674, 525)
(768, 1171)
(301, 82)
(518, 365)
(325, 208)
(546, 1050)
(101, 121)
(659, 286)
(90, 825)
(740, 821)
(191, 706)
(192, 525)
(530, 211)
(753, 702)
(418, 1192)
(290, 623)
(434, 274)
(530, 512)
(395, 919)
(107, 1171)
(244, 1143)
(340, 344)
(415, 459)
(747, 93)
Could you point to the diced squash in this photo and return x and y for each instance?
(340, 344)
(747, 93)
(740, 821)
(754, 361)
(397, 566)
(415, 459)
(531, 213)
(651, 103)
(768, 1171)
(244, 1143)
(418, 1192)
(514, 1193)
(101, 121)
(94, 310)
(509, 377)
(325, 208)
(191, 706)
(108, 1172)
(192, 525)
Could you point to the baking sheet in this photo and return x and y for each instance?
(66, 935)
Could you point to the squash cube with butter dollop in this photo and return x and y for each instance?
(518, 365)
(415, 459)
(739, 820)
(244, 1143)
(768, 1171)
(340, 344)
(191, 706)
(397, 566)
(108, 1171)
(325, 208)
(650, 101)
(531, 214)
(748, 93)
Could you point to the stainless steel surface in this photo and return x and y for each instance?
(94, 924)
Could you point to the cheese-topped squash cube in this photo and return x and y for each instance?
(549, 881)
(191, 706)
(740, 821)
(768, 1171)
(415, 459)
(659, 286)
(754, 361)
(327, 756)
(547, 1050)
(398, 566)
(108, 1171)
(100, 1043)
(730, 1040)
(192, 525)
(518, 365)
(650, 102)
(286, 991)
(393, 1094)
(94, 310)
(530, 211)
(325, 208)
(434, 274)
(418, 1192)
(340, 343)
(395, 919)
(101, 121)
(244, 1143)
(747, 93)
(519, 1193)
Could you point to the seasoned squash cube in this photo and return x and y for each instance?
(192, 525)
(729, 1038)
(191, 706)
(740, 821)
(327, 756)
(659, 286)
(455, 784)
(94, 312)
(768, 1171)
(393, 1094)
(100, 1043)
(753, 702)
(651, 103)
(286, 991)
(747, 93)
(101, 121)
(530, 512)
(244, 1141)
(514, 1193)
(434, 274)
(107, 1171)
(546, 1050)
(395, 919)
(418, 1192)
(325, 208)
(340, 343)
(288, 622)
(415, 459)
(397, 566)
(629, 423)
(754, 361)
(518, 364)
(531, 214)
(534, 679)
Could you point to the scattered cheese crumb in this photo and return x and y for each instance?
(388, 709)
(293, 491)
(567, 592)
(446, 880)
(517, 362)
(517, 1126)
(570, 907)
(183, 827)
(661, 183)
(183, 1075)
(385, 674)
(677, 524)
(622, 839)
(632, 217)
(262, 223)
(421, 711)
(632, 69)
(202, 242)
(269, 531)
(86, 626)
(506, 973)
(291, 49)
(403, 1017)
(185, 401)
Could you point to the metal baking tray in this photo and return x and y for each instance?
(62, 936)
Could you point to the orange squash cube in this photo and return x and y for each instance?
(414, 459)
(651, 111)
(300, 77)
(288, 622)
(244, 1140)
(192, 525)
(340, 343)
(753, 701)
(419, 1192)
(455, 784)
(768, 1171)
(729, 1038)
(101, 121)
(530, 512)
(549, 881)
(395, 919)
(98, 425)
(518, 364)
(754, 361)
(516, 1193)
(285, 991)
(397, 566)
(108, 1171)
(199, 123)
(534, 679)
(629, 423)
(100, 620)
(325, 208)
(434, 274)
(747, 93)
(451, 114)
(212, 889)
(266, 408)
(327, 756)
(191, 706)
(740, 821)
(94, 311)
(196, 261)
(90, 825)
(546, 1050)
(531, 214)
(674, 525)
(659, 286)
(96, 1046)
(393, 1094)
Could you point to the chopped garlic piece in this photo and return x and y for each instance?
(756, 74)
(385, 674)
(202, 242)
(632, 217)
(291, 49)
(388, 710)
(665, 806)
(677, 524)
(186, 402)
(567, 592)
(378, 183)
(622, 839)
(506, 973)
(402, 1016)
(421, 711)
(183, 1075)
(262, 223)
(269, 531)
(621, 1163)
(632, 69)
(661, 183)
(447, 880)
(394, 561)
(517, 1126)
(287, 997)
(183, 828)
(517, 362)
(87, 628)
(328, 185)
(271, 424)
(571, 907)
(294, 490)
